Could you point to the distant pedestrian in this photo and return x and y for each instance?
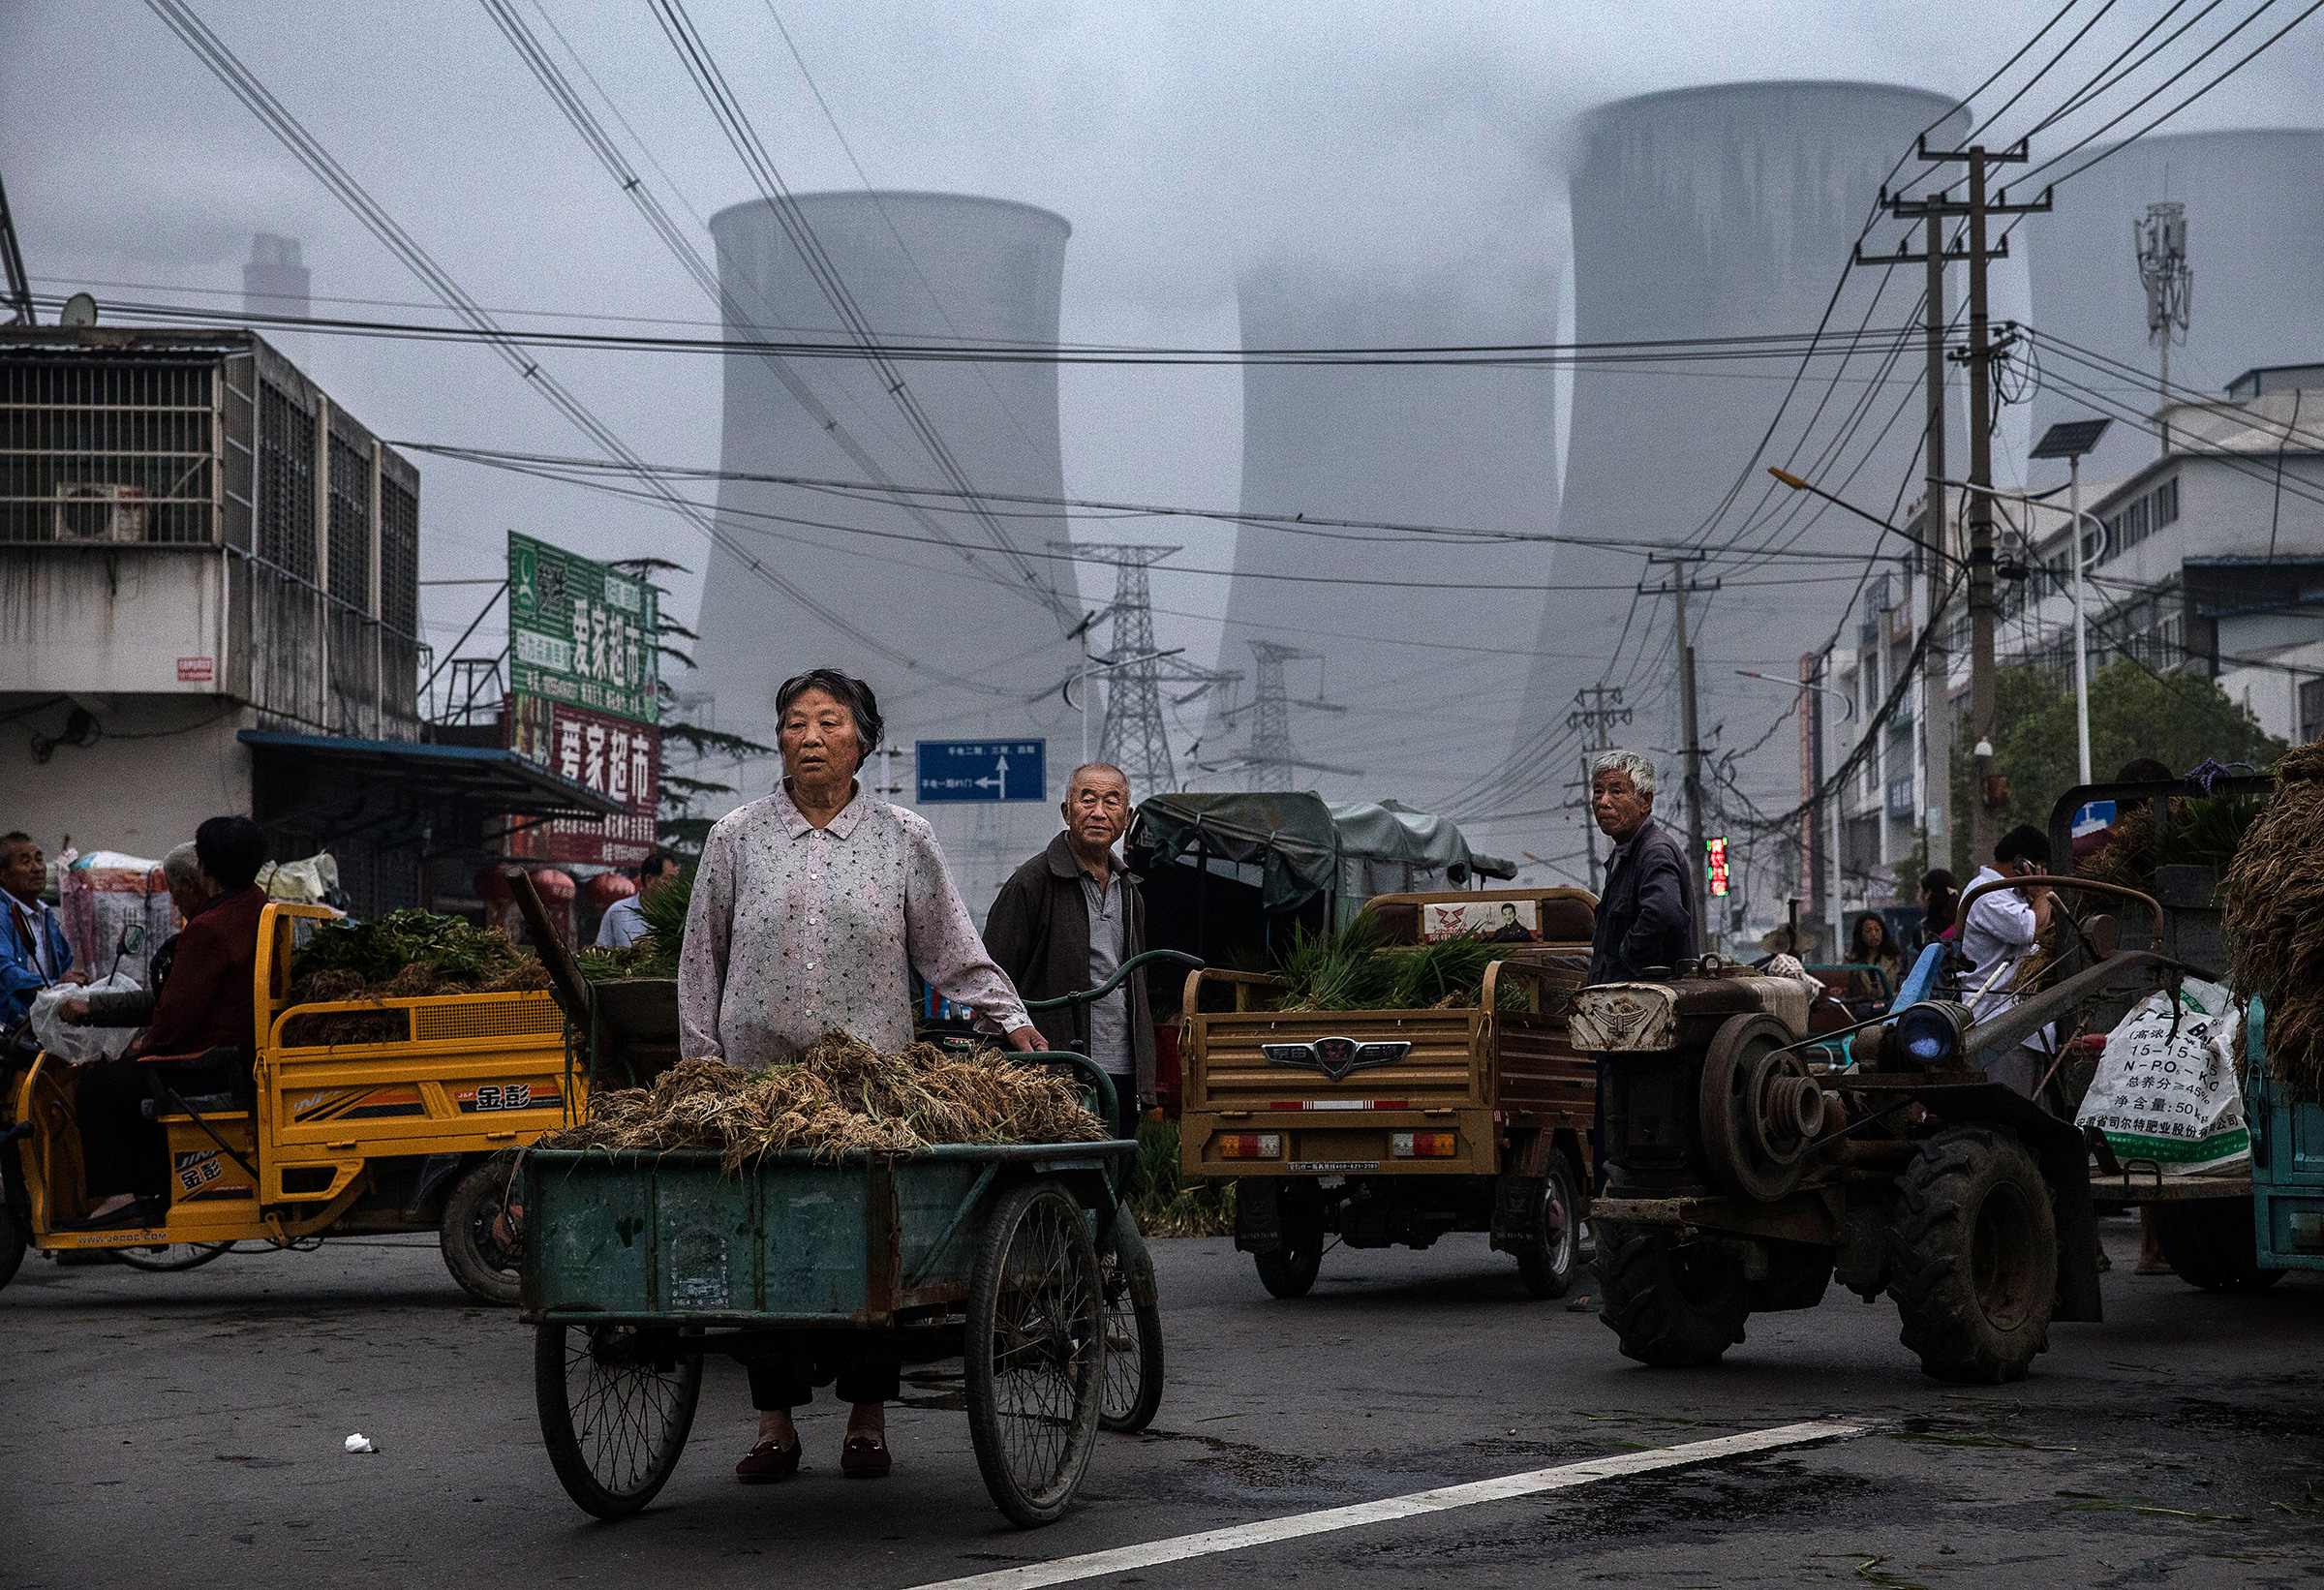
(624, 921)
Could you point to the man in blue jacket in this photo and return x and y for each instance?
(33, 952)
(1645, 914)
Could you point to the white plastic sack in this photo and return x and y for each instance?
(2172, 1098)
(306, 882)
(81, 1042)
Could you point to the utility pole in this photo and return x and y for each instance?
(1977, 208)
(2160, 243)
(1594, 720)
(11, 265)
(1682, 588)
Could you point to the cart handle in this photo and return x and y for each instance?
(1090, 995)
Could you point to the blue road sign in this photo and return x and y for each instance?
(2090, 818)
(983, 769)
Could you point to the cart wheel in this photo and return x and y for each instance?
(1133, 1388)
(172, 1256)
(615, 1403)
(1291, 1270)
(1035, 1352)
(483, 1233)
(2213, 1244)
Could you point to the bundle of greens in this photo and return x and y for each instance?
(1351, 969)
(2275, 918)
(404, 955)
(841, 1094)
(656, 955)
(2203, 832)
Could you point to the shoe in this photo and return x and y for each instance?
(767, 1462)
(866, 1458)
(128, 1217)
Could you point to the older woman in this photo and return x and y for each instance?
(812, 909)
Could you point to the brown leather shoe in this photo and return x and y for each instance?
(866, 1458)
(767, 1463)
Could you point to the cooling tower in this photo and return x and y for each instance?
(1726, 211)
(1430, 678)
(952, 616)
(2255, 242)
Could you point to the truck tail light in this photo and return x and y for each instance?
(1424, 1145)
(1250, 1146)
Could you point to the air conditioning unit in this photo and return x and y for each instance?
(102, 511)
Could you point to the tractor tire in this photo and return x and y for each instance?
(2213, 1243)
(1673, 1304)
(1972, 1255)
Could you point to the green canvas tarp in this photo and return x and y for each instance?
(1306, 847)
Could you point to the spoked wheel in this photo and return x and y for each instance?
(1035, 1352)
(615, 1404)
(1133, 1382)
(172, 1256)
(484, 1233)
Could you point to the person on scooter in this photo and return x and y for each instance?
(204, 1007)
(33, 952)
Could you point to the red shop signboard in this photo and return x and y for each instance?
(614, 757)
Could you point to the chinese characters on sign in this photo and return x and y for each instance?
(615, 757)
(1715, 862)
(581, 632)
(982, 769)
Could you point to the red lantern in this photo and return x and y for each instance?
(605, 888)
(553, 887)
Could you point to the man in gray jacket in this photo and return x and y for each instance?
(1066, 921)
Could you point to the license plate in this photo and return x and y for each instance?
(1333, 1167)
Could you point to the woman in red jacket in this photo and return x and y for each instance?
(204, 1007)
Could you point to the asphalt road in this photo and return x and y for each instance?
(172, 1430)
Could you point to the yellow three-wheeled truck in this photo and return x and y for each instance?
(399, 1131)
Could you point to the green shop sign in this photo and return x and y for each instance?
(581, 632)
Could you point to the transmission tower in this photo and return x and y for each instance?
(1134, 737)
(2160, 242)
(1271, 757)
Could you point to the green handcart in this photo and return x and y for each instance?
(1020, 1260)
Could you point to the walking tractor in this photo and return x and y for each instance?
(359, 1116)
(1747, 1170)
(1397, 1125)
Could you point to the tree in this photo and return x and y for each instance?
(2179, 718)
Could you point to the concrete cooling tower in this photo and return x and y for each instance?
(1712, 212)
(2255, 242)
(956, 617)
(1430, 678)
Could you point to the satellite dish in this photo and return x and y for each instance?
(79, 310)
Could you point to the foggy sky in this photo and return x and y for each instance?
(1185, 143)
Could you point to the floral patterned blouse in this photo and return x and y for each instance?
(795, 930)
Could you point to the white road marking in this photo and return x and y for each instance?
(1241, 1537)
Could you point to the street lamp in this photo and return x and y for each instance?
(2069, 440)
(1085, 673)
(1832, 806)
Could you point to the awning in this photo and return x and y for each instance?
(363, 784)
(1307, 845)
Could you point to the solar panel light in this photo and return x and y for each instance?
(1929, 1033)
(2070, 439)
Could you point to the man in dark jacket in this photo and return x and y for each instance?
(205, 1006)
(1066, 921)
(1646, 915)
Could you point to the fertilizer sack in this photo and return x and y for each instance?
(2171, 1095)
(81, 1042)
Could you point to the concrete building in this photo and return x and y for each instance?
(1720, 211)
(922, 594)
(1470, 447)
(209, 604)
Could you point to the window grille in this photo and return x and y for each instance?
(350, 524)
(399, 557)
(285, 510)
(105, 451)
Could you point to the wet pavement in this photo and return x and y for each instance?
(167, 1427)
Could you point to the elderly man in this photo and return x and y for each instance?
(1066, 921)
(33, 952)
(812, 909)
(1646, 918)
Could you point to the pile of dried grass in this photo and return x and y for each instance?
(2274, 917)
(841, 1094)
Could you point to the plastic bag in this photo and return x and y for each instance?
(312, 881)
(2172, 1097)
(104, 892)
(81, 1042)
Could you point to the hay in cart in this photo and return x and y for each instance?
(840, 1096)
(2275, 918)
